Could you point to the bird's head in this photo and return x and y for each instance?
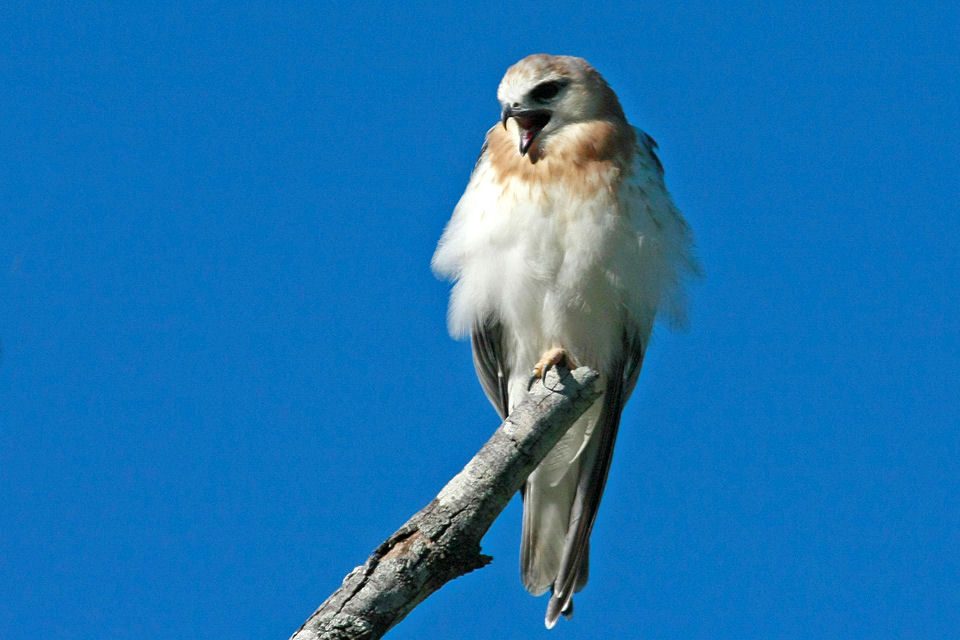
(544, 93)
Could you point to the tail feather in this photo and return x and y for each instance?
(592, 478)
(547, 499)
(563, 494)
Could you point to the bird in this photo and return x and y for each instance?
(564, 248)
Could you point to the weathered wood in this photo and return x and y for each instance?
(442, 541)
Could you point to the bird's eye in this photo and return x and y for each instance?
(546, 91)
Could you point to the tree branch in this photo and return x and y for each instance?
(442, 541)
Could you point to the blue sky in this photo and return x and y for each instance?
(226, 377)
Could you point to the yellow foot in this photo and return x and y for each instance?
(551, 357)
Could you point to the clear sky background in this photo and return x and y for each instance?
(226, 375)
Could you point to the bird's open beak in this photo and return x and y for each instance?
(530, 121)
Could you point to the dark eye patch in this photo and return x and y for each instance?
(546, 91)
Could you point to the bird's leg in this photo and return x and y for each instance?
(550, 357)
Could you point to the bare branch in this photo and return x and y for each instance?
(442, 541)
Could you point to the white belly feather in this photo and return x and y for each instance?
(556, 271)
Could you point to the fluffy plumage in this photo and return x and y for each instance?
(565, 237)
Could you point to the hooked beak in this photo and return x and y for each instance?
(505, 115)
(530, 121)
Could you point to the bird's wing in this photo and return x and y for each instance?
(486, 336)
(667, 238)
(489, 359)
(621, 379)
(646, 142)
(634, 348)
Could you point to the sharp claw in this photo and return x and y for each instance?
(533, 379)
(546, 370)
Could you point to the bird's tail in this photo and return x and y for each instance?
(548, 497)
(565, 492)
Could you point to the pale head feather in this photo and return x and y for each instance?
(586, 144)
(585, 96)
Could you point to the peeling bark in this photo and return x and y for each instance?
(442, 541)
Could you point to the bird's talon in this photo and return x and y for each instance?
(550, 358)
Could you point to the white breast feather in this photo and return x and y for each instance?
(564, 270)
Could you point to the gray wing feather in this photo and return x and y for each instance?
(489, 360)
(649, 145)
(572, 576)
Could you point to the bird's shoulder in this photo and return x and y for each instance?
(646, 151)
(643, 192)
